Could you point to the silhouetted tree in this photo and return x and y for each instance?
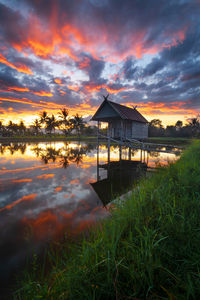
(156, 128)
(77, 124)
(179, 124)
(194, 125)
(64, 122)
(170, 131)
(12, 128)
(22, 127)
(43, 117)
(51, 123)
(36, 126)
(2, 129)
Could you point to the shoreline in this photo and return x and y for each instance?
(92, 139)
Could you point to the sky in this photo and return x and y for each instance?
(56, 54)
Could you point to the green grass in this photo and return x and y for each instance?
(171, 140)
(147, 249)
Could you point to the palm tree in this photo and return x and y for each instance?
(12, 128)
(2, 128)
(43, 117)
(63, 114)
(36, 126)
(77, 124)
(22, 127)
(51, 124)
(194, 124)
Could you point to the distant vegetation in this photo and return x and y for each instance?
(46, 125)
(190, 129)
(148, 249)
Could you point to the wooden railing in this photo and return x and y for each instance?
(136, 144)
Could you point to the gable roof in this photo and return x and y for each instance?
(124, 112)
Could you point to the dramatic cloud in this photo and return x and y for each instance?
(56, 54)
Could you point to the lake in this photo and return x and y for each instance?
(51, 190)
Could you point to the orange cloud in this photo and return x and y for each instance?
(24, 198)
(20, 170)
(45, 176)
(91, 87)
(85, 166)
(73, 88)
(62, 92)
(43, 94)
(41, 104)
(46, 223)
(19, 67)
(58, 189)
(168, 112)
(22, 180)
(75, 181)
(18, 89)
(15, 88)
(58, 81)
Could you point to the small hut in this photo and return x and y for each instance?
(123, 122)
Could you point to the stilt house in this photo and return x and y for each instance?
(123, 122)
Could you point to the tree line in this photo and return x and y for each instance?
(190, 129)
(49, 123)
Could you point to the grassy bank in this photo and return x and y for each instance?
(148, 249)
(171, 140)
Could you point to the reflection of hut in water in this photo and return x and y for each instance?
(121, 177)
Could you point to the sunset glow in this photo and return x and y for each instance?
(142, 53)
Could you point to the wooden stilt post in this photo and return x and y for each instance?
(129, 153)
(108, 149)
(121, 139)
(120, 152)
(98, 177)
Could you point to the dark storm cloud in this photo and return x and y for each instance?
(24, 61)
(12, 25)
(129, 69)
(176, 71)
(175, 55)
(93, 67)
(155, 66)
(7, 79)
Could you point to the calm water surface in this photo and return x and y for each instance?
(51, 189)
